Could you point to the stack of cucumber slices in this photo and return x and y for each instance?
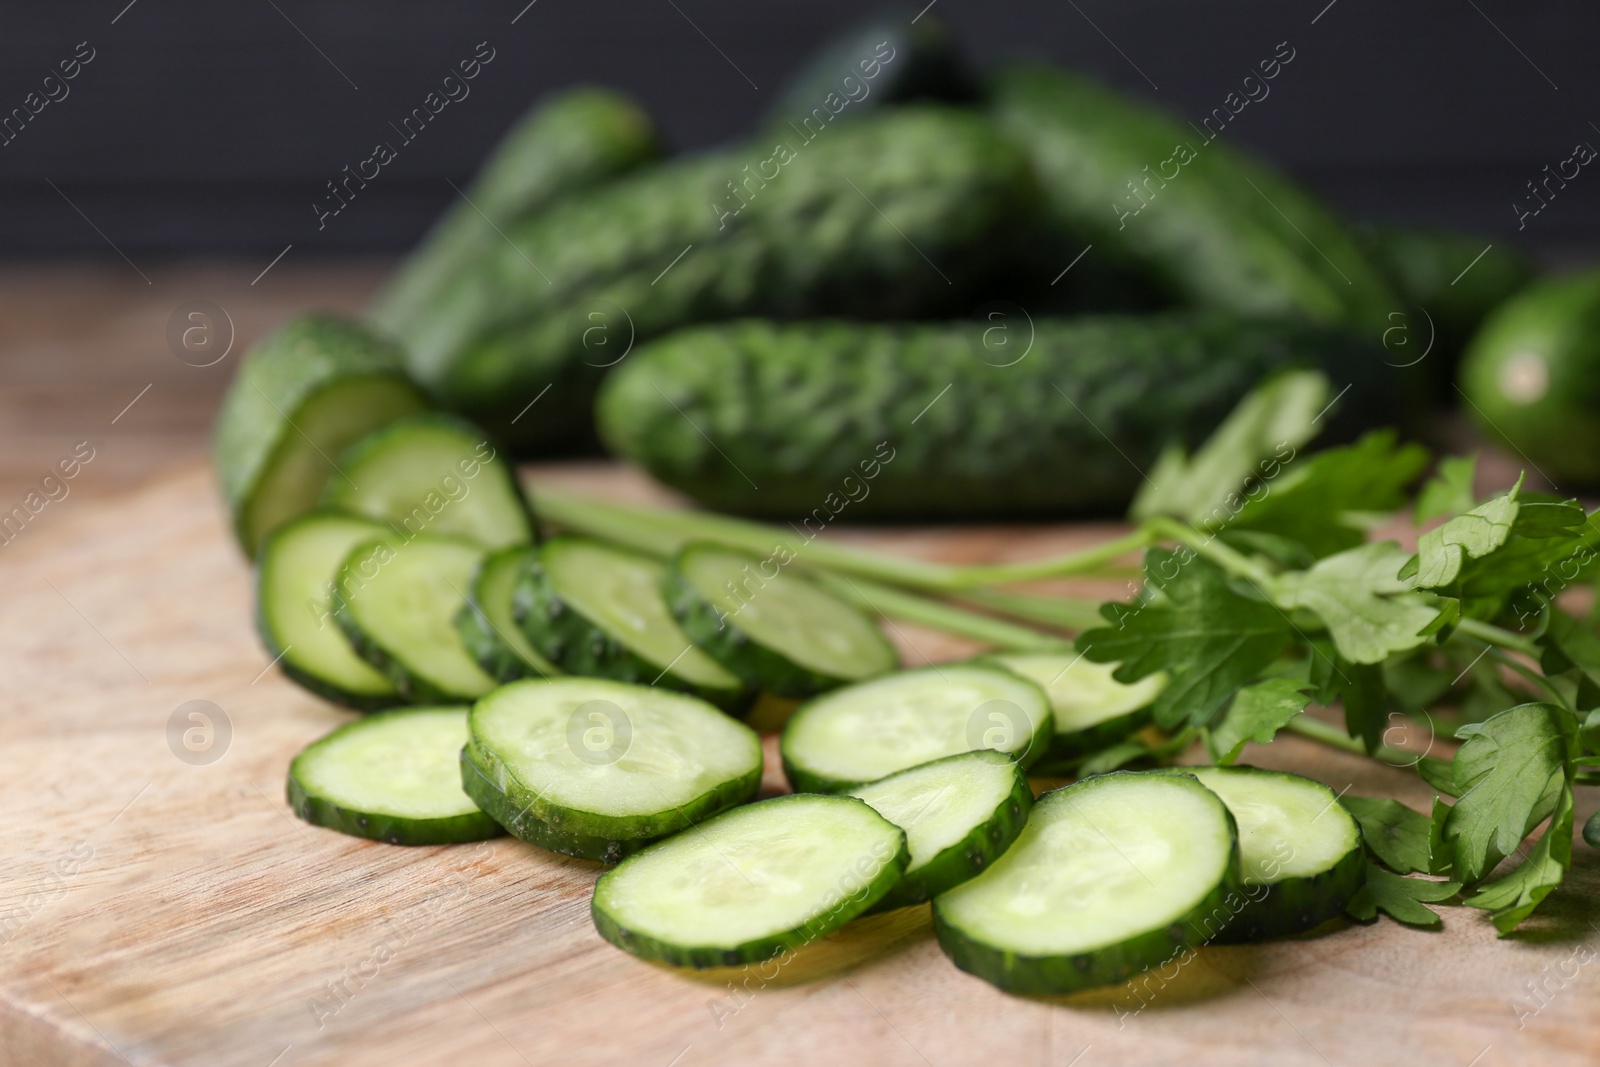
(586, 698)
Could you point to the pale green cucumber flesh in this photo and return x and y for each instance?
(390, 777)
(1089, 707)
(751, 883)
(871, 730)
(295, 610)
(487, 625)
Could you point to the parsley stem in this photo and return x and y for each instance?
(1228, 559)
(1083, 561)
(1333, 737)
(1533, 676)
(1490, 634)
(894, 603)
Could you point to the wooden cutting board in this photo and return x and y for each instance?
(160, 910)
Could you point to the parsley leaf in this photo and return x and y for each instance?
(1513, 897)
(1449, 491)
(1393, 832)
(1256, 714)
(1400, 898)
(1370, 613)
(1569, 644)
(1209, 639)
(1443, 550)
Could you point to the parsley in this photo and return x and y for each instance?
(1401, 898)
(1398, 836)
(1257, 713)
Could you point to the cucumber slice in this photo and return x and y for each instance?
(1301, 850)
(959, 814)
(1112, 875)
(779, 633)
(397, 603)
(391, 777)
(751, 883)
(868, 731)
(1090, 708)
(597, 610)
(433, 474)
(487, 627)
(295, 610)
(301, 397)
(600, 769)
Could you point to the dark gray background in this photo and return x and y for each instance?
(211, 127)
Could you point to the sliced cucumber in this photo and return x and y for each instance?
(751, 883)
(397, 603)
(772, 628)
(1112, 875)
(295, 610)
(599, 769)
(597, 610)
(433, 474)
(959, 814)
(1301, 850)
(486, 625)
(871, 730)
(301, 397)
(1090, 708)
(392, 777)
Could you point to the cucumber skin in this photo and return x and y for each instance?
(275, 378)
(805, 243)
(1296, 905)
(498, 660)
(808, 410)
(650, 948)
(762, 668)
(575, 645)
(586, 835)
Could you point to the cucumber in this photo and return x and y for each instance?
(397, 602)
(908, 421)
(301, 397)
(751, 883)
(570, 141)
(391, 777)
(708, 237)
(1301, 850)
(595, 609)
(869, 731)
(1112, 875)
(774, 629)
(1212, 227)
(1089, 709)
(433, 474)
(959, 814)
(599, 769)
(295, 610)
(487, 626)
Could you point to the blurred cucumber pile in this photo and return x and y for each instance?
(920, 292)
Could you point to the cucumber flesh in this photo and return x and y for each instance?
(959, 814)
(1301, 850)
(487, 627)
(1112, 875)
(599, 769)
(774, 629)
(751, 883)
(433, 474)
(1090, 708)
(594, 609)
(871, 730)
(398, 601)
(295, 610)
(391, 777)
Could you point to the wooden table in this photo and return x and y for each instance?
(162, 910)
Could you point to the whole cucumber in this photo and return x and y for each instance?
(888, 214)
(570, 141)
(919, 421)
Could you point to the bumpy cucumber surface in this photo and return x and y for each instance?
(959, 814)
(599, 769)
(295, 605)
(433, 474)
(1089, 708)
(300, 398)
(761, 231)
(923, 421)
(392, 777)
(750, 883)
(487, 626)
(595, 609)
(776, 630)
(1301, 850)
(397, 602)
(869, 731)
(571, 141)
(1112, 875)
